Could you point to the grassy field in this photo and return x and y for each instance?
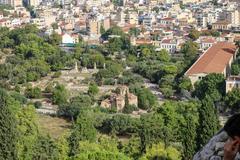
(53, 126)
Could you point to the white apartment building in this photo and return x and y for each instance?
(230, 15)
(232, 82)
(13, 3)
(169, 44)
(16, 22)
(40, 22)
(148, 20)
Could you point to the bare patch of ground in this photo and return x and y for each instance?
(53, 126)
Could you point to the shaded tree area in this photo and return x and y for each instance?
(232, 100)
(134, 32)
(161, 68)
(173, 122)
(32, 56)
(209, 125)
(20, 136)
(146, 99)
(194, 34)
(212, 85)
(213, 33)
(8, 131)
(118, 41)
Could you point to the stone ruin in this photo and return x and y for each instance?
(118, 99)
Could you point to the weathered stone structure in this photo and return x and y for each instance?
(214, 150)
(118, 99)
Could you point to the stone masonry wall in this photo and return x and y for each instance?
(214, 149)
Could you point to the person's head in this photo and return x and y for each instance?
(232, 127)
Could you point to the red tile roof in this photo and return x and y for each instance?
(168, 19)
(143, 41)
(214, 60)
(166, 40)
(208, 40)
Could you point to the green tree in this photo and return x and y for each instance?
(18, 97)
(45, 148)
(8, 132)
(93, 89)
(55, 39)
(114, 45)
(120, 124)
(235, 69)
(102, 29)
(98, 59)
(167, 91)
(212, 85)
(181, 121)
(232, 99)
(208, 121)
(194, 34)
(60, 95)
(75, 106)
(189, 50)
(117, 2)
(146, 52)
(215, 33)
(83, 130)
(146, 100)
(190, 137)
(89, 151)
(158, 151)
(54, 26)
(151, 130)
(63, 147)
(164, 56)
(134, 31)
(33, 92)
(28, 132)
(119, 42)
(133, 147)
(128, 109)
(185, 84)
(156, 9)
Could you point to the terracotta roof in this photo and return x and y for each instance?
(214, 60)
(208, 40)
(167, 41)
(168, 19)
(143, 41)
(222, 23)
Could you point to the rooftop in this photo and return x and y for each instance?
(214, 60)
(208, 40)
(223, 22)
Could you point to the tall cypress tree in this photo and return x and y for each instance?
(83, 130)
(189, 137)
(208, 121)
(8, 132)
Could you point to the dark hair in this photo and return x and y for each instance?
(232, 127)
